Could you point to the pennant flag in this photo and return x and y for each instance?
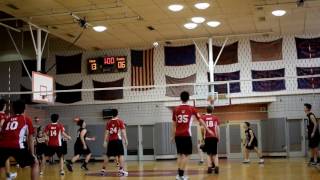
(68, 97)
(108, 95)
(68, 64)
(142, 68)
(180, 56)
(27, 98)
(268, 85)
(32, 66)
(229, 54)
(175, 91)
(266, 51)
(223, 88)
(308, 83)
(308, 48)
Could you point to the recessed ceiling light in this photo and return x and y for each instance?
(202, 5)
(190, 25)
(198, 20)
(279, 12)
(175, 7)
(213, 23)
(99, 28)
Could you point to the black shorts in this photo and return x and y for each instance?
(183, 145)
(211, 146)
(22, 156)
(41, 149)
(52, 150)
(78, 149)
(115, 148)
(314, 142)
(64, 147)
(253, 145)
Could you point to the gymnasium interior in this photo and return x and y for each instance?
(254, 61)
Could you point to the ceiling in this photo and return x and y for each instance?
(127, 20)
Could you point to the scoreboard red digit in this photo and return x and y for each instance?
(108, 64)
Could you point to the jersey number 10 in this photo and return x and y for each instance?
(13, 125)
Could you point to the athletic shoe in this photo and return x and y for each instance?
(216, 170)
(84, 167)
(103, 172)
(41, 173)
(123, 173)
(12, 176)
(209, 171)
(62, 173)
(246, 161)
(200, 162)
(261, 161)
(69, 166)
(182, 177)
(312, 163)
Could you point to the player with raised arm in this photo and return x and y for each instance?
(3, 117)
(81, 147)
(181, 132)
(12, 133)
(54, 131)
(115, 138)
(211, 141)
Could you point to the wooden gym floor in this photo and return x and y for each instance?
(273, 169)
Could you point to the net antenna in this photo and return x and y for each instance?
(42, 88)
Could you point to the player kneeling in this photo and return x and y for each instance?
(211, 140)
(13, 130)
(115, 137)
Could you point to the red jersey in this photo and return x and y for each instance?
(182, 115)
(14, 130)
(54, 132)
(212, 123)
(114, 128)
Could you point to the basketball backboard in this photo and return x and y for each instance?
(42, 88)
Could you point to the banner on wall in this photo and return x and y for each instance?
(268, 85)
(68, 64)
(223, 88)
(308, 83)
(228, 56)
(176, 91)
(180, 56)
(266, 51)
(308, 48)
(68, 97)
(32, 66)
(108, 95)
(142, 68)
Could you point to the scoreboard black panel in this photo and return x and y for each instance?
(108, 64)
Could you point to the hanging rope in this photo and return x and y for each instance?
(19, 54)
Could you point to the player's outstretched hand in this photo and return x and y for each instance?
(172, 139)
(105, 144)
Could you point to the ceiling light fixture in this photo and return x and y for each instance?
(202, 5)
(198, 20)
(190, 25)
(213, 23)
(175, 7)
(279, 12)
(99, 28)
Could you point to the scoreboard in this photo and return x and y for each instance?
(108, 64)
